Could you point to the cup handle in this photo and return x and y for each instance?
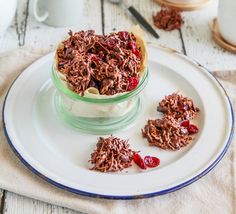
(36, 15)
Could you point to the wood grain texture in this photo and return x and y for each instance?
(116, 20)
(41, 36)
(16, 33)
(16, 204)
(198, 40)
(26, 31)
(2, 200)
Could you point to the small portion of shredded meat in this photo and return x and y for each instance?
(166, 133)
(174, 130)
(104, 62)
(178, 106)
(168, 19)
(112, 154)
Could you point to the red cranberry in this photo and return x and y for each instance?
(139, 161)
(185, 123)
(132, 46)
(192, 129)
(124, 35)
(137, 53)
(151, 162)
(111, 43)
(133, 82)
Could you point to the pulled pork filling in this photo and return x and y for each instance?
(112, 154)
(178, 106)
(108, 63)
(166, 133)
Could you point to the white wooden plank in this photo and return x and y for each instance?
(9, 40)
(16, 204)
(15, 35)
(198, 41)
(1, 200)
(41, 36)
(116, 20)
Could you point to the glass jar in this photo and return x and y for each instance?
(98, 116)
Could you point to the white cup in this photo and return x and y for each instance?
(59, 13)
(7, 12)
(226, 19)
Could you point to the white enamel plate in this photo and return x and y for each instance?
(59, 153)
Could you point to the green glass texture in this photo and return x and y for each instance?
(98, 125)
(59, 85)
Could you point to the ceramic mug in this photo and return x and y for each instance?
(7, 12)
(58, 13)
(226, 19)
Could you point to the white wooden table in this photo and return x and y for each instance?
(194, 40)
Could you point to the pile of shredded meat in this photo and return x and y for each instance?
(174, 130)
(166, 133)
(168, 19)
(178, 106)
(112, 154)
(109, 63)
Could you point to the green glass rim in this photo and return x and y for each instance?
(66, 91)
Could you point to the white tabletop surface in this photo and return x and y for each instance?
(194, 40)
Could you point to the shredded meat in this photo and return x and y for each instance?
(105, 62)
(178, 106)
(166, 133)
(168, 19)
(174, 129)
(112, 154)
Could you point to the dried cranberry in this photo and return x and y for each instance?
(192, 129)
(151, 162)
(137, 53)
(185, 123)
(133, 82)
(124, 35)
(111, 43)
(132, 46)
(139, 161)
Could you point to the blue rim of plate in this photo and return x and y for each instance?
(128, 197)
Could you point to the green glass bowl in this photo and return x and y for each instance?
(98, 116)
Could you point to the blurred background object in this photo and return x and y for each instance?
(226, 19)
(59, 13)
(184, 4)
(130, 10)
(7, 12)
(223, 26)
(183, 1)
